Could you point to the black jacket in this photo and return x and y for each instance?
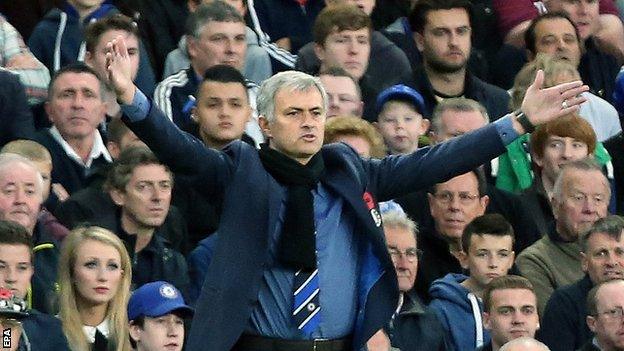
(417, 328)
(615, 146)
(44, 286)
(42, 332)
(436, 262)
(598, 70)
(495, 99)
(563, 325)
(71, 175)
(157, 261)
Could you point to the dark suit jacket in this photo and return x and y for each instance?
(236, 178)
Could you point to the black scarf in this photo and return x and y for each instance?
(297, 244)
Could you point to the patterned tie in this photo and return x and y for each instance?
(306, 307)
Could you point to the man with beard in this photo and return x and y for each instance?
(442, 31)
(564, 324)
(580, 197)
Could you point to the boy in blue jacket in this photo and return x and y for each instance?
(487, 253)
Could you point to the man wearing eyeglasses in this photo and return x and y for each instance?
(564, 325)
(453, 204)
(414, 326)
(606, 317)
(580, 197)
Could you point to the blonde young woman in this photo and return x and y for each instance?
(94, 276)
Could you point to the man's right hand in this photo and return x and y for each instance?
(120, 70)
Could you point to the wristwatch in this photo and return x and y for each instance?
(524, 121)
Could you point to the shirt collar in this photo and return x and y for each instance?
(90, 331)
(98, 149)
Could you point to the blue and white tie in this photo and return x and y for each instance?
(306, 307)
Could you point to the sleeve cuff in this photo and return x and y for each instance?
(139, 108)
(505, 129)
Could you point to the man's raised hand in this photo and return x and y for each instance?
(120, 70)
(542, 105)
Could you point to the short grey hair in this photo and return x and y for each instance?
(215, 11)
(8, 160)
(459, 104)
(398, 219)
(288, 80)
(587, 164)
(611, 225)
(524, 341)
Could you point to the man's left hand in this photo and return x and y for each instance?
(542, 105)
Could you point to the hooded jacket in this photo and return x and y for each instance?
(459, 311)
(58, 40)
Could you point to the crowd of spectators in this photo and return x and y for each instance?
(111, 239)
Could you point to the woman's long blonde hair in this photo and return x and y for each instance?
(116, 312)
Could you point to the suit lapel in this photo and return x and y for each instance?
(353, 194)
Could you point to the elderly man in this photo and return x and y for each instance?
(21, 195)
(580, 197)
(298, 199)
(605, 303)
(414, 326)
(564, 326)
